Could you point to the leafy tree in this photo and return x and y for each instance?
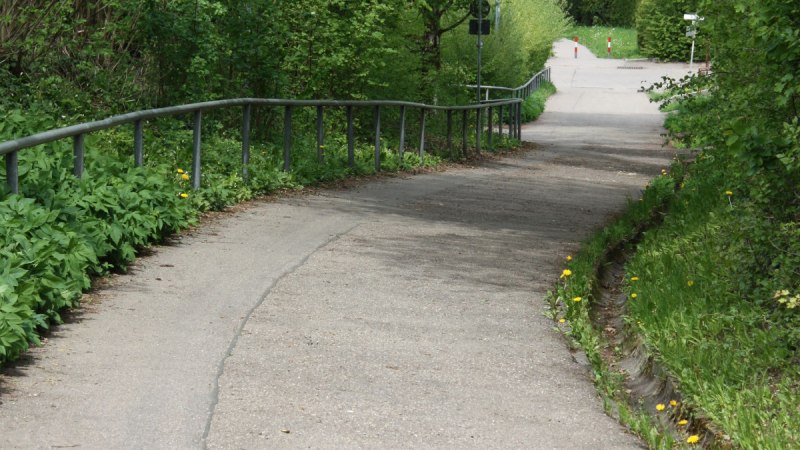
(662, 28)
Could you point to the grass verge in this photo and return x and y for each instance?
(595, 38)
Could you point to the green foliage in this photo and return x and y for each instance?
(533, 106)
(624, 41)
(603, 12)
(662, 29)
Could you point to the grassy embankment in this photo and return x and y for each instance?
(623, 41)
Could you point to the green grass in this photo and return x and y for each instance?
(623, 41)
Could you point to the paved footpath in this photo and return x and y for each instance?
(404, 313)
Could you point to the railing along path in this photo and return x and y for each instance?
(511, 106)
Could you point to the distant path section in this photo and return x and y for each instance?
(400, 314)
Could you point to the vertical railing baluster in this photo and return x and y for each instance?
(138, 143)
(246, 118)
(519, 121)
(489, 130)
(77, 148)
(12, 172)
(500, 122)
(421, 132)
(351, 157)
(478, 123)
(287, 138)
(320, 135)
(197, 136)
(377, 117)
(464, 132)
(402, 149)
(450, 132)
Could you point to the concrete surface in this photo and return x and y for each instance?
(401, 314)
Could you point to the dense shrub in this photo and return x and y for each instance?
(662, 29)
(603, 12)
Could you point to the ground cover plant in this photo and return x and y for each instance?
(623, 41)
(713, 289)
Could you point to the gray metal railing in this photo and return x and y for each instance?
(10, 149)
(522, 91)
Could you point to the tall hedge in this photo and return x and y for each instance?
(662, 29)
(603, 12)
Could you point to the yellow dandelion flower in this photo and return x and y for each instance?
(663, 171)
(566, 273)
(690, 283)
(577, 299)
(660, 407)
(562, 320)
(729, 193)
(184, 195)
(634, 278)
(179, 170)
(693, 439)
(569, 257)
(683, 422)
(184, 177)
(634, 295)
(673, 403)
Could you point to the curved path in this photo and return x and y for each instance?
(401, 314)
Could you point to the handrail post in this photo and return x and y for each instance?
(12, 172)
(450, 132)
(246, 115)
(197, 136)
(377, 117)
(351, 157)
(77, 148)
(421, 132)
(464, 132)
(489, 129)
(478, 123)
(500, 121)
(287, 138)
(519, 121)
(401, 150)
(320, 134)
(138, 143)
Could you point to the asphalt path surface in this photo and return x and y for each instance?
(403, 313)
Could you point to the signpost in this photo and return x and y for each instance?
(480, 10)
(691, 31)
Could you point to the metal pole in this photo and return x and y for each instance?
(351, 157)
(320, 134)
(198, 123)
(12, 172)
(450, 132)
(287, 138)
(421, 132)
(489, 128)
(138, 143)
(77, 147)
(246, 114)
(402, 148)
(480, 45)
(500, 122)
(377, 139)
(464, 132)
(478, 123)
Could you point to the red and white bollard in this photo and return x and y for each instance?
(576, 47)
(609, 46)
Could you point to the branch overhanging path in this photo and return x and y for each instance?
(400, 314)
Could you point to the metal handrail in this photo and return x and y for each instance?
(9, 149)
(522, 91)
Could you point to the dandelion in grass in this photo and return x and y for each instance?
(663, 171)
(184, 176)
(729, 194)
(634, 278)
(562, 320)
(693, 439)
(184, 195)
(673, 403)
(660, 407)
(690, 283)
(634, 295)
(683, 422)
(569, 258)
(577, 299)
(566, 273)
(180, 170)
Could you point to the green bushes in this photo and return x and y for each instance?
(533, 106)
(603, 12)
(662, 29)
